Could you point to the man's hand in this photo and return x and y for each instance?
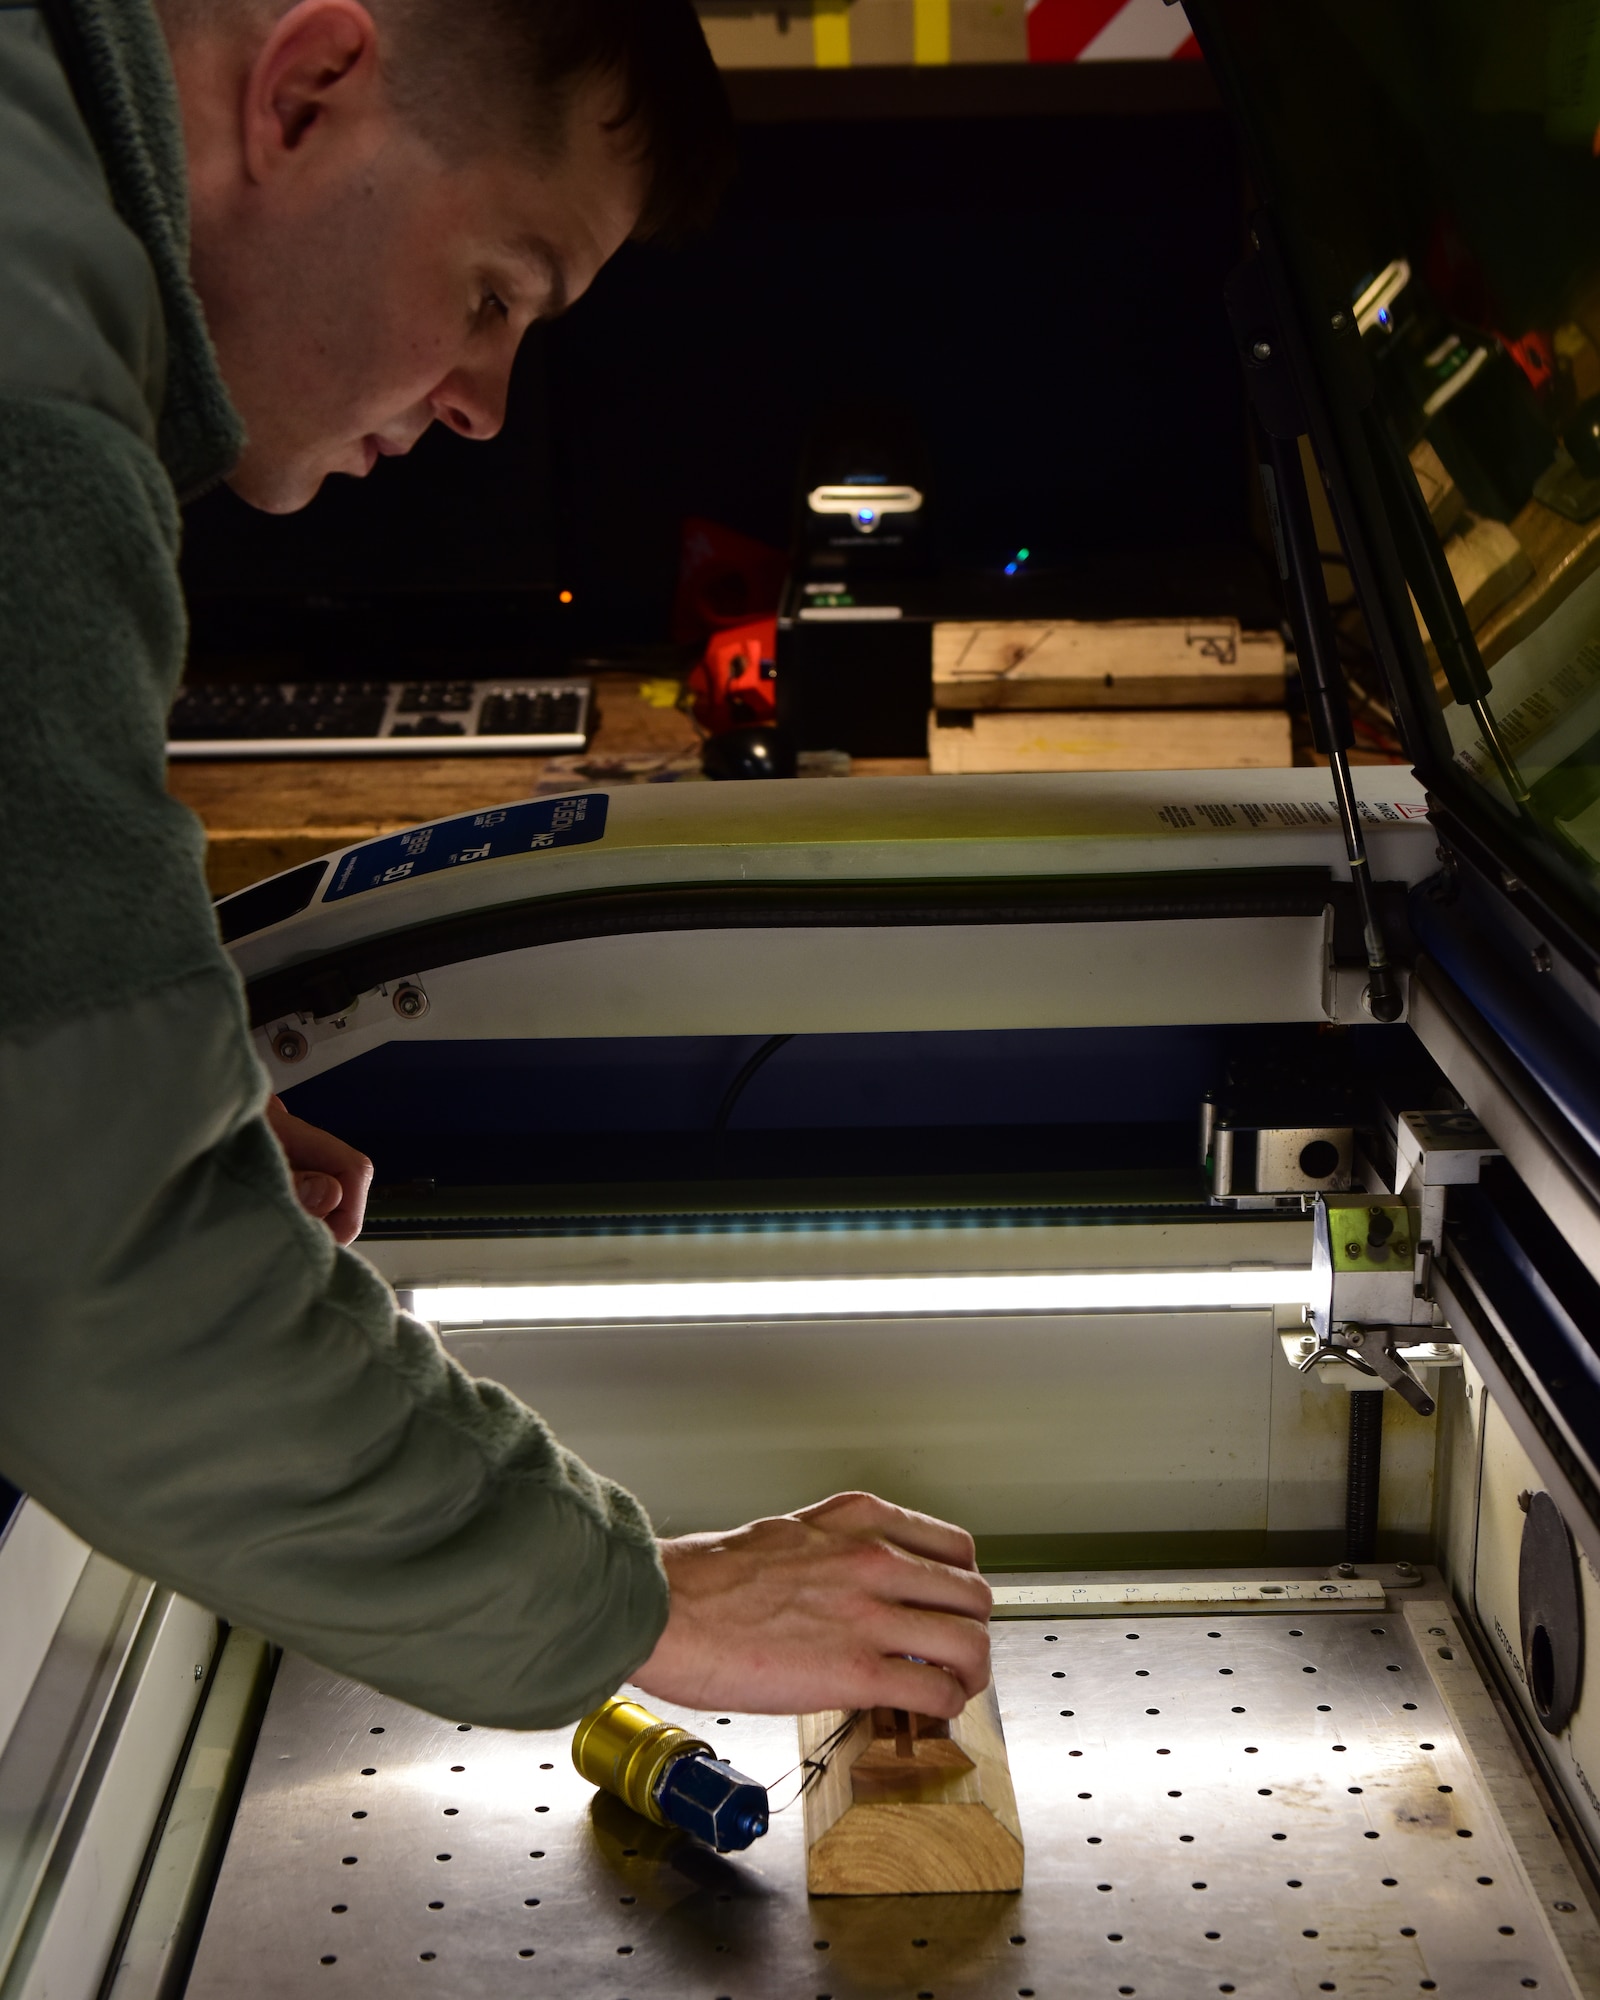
(852, 1603)
(330, 1178)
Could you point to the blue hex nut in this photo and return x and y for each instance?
(714, 1802)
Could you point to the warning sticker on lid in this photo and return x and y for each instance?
(456, 843)
(1285, 814)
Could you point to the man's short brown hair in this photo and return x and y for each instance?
(466, 70)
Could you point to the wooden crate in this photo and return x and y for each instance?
(1113, 663)
(1151, 739)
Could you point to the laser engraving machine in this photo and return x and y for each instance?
(1190, 1183)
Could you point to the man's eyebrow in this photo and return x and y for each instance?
(536, 251)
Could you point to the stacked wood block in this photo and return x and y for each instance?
(1487, 561)
(1510, 576)
(906, 1805)
(1118, 695)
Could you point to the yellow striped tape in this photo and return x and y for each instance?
(930, 31)
(830, 32)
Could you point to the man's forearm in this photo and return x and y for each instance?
(201, 1384)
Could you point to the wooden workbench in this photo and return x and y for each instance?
(265, 814)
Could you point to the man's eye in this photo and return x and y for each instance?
(493, 303)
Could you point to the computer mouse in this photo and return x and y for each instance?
(754, 752)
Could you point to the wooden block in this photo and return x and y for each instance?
(1577, 351)
(1563, 553)
(910, 1806)
(1489, 565)
(1206, 739)
(1441, 493)
(1117, 663)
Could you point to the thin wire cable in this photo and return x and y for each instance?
(735, 1090)
(811, 1768)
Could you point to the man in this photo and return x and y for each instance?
(267, 242)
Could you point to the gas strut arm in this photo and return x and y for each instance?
(1434, 588)
(1280, 423)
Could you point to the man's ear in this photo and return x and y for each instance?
(316, 75)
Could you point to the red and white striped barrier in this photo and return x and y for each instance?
(1109, 31)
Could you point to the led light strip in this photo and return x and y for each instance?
(834, 1298)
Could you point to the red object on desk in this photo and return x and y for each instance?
(735, 682)
(1535, 356)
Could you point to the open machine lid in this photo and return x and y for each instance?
(1430, 194)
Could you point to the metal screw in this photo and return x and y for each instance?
(1341, 320)
(1510, 883)
(1352, 1249)
(410, 1003)
(1347, 1569)
(1541, 958)
(289, 1046)
(1262, 351)
(1441, 1348)
(199, 1671)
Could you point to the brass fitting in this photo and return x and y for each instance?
(625, 1750)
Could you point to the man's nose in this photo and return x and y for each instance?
(472, 403)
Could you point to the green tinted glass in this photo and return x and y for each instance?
(1430, 168)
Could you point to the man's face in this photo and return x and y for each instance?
(354, 305)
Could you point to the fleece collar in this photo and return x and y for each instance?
(129, 99)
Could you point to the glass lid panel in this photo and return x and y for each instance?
(1434, 169)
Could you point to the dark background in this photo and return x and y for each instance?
(1043, 290)
(869, 1106)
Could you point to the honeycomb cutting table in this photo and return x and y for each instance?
(1261, 1804)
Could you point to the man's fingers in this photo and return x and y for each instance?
(921, 1534)
(318, 1161)
(931, 1586)
(924, 1690)
(957, 1645)
(344, 1224)
(318, 1194)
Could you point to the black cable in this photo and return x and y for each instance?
(1363, 1470)
(731, 1095)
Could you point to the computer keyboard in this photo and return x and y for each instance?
(377, 718)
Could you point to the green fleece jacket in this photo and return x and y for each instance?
(192, 1376)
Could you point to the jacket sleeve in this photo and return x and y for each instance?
(192, 1376)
